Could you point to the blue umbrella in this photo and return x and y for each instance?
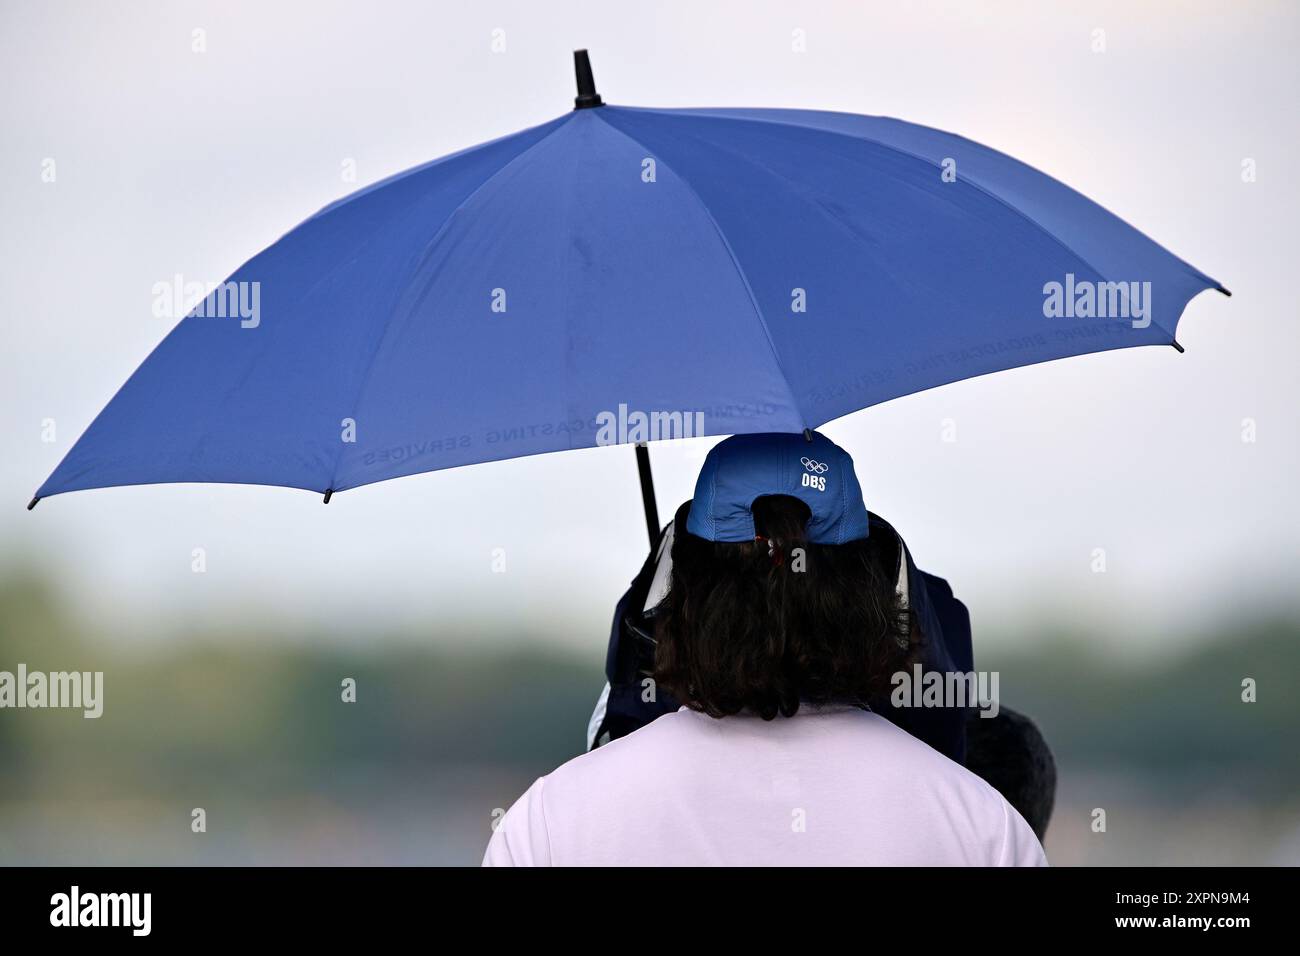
(623, 275)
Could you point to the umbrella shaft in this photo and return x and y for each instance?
(648, 493)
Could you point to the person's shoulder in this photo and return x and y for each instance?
(663, 732)
(966, 794)
(637, 755)
(929, 764)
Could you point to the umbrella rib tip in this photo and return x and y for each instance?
(32, 504)
(1219, 288)
(329, 493)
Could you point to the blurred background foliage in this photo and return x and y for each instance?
(252, 728)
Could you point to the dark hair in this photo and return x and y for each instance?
(1009, 752)
(745, 629)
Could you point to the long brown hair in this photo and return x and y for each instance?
(765, 625)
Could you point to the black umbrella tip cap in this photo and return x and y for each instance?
(1219, 288)
(32, 504)
(587, 96)
(329, 493)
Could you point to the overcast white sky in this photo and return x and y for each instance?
(171, 161)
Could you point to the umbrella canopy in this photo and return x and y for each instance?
(624, 274)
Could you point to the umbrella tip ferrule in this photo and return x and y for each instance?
(1219, 288)
(587, 96)
(32, 504)
(329, 493)
(808, 435)
(1180, 349)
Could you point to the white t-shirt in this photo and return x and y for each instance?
(828, 787)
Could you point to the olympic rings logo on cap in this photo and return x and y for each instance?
(816, 467)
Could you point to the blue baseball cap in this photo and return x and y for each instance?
(745, 467)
